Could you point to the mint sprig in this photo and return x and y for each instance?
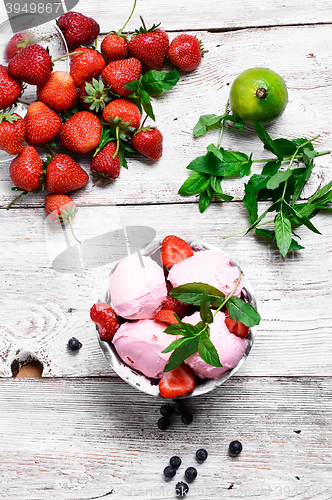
(197, 337)
(281, 180)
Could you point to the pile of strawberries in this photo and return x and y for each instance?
(94, 108)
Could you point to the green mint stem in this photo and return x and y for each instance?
(222, 126)
(230, 295)
(245, 230)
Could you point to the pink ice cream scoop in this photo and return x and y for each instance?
(207, 266)
(140, 344)
(137, 288)
(229, 347)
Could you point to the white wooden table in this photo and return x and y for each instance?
(79, 432)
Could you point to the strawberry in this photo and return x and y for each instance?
(78, 29)
(236, 327)
(114, 47)
(149, 142)
(180, 308)
(104, 166)
(10, 88)
(177, 382)
(26, 169)
(17, 42)
(32, 65)
(124, 117)
(42, 124)
(105, 319)
(166, 316)
(61, 209)
(81, 133)
(149, 47)
(118, 73)
(94, 95)
(174, 250)
(85, 64)
(59, 92)
(185, 52)
(12, 132)
(63, 174)
(124, 109)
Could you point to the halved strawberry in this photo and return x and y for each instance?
(180, 308)
(236, 327)
(105, 319)
(174, 250)
(177, 382)
(166, 316)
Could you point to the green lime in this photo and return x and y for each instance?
(258, 94)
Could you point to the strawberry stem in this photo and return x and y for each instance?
(17, 198)
(143, 23)
(117, 142)
(131, 13)
(67, 55)
(72, 230)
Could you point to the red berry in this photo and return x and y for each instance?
(149, 142)
(114, 47)
(59, 92)
(180, 308)
(149, 47)
(185, 52)
(174, 250)
(63, 174)
(236, 327)
(105, 319)
(118, 73)
(32, 65)
(81, 133)
(10, 88)
(42, 124)
(126, 110)
(85, 64)
(12, 133)
(26, 169)
(104, 166)
(78, 29)
(17, 42)
(166, 316)
(177, 382)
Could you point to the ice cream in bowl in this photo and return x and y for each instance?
(176, 319)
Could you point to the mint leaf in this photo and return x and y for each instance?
(283, 231)
(243, 311)
(193, 293)
(157, 82)
(186, 348)
(205, 311)
(275, 181)
(215, 183)
(250, 202)
(205, 122)
(195, 184)
(207, 351)
(268, 142)
(204, 201)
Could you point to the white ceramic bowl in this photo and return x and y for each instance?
(138, 380)
(49, 36)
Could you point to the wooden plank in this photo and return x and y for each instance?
(299, 54)
(42, 308)
(193, 14)
(95, 438)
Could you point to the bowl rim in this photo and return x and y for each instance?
(140, 381)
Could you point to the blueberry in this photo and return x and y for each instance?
(191, 473)
(179, 408)
(166, 411)
(169, 471)
(163, 423)
(187, 418)
(201, 454)
(74, 344)
(175, 462)
(181, 489)
(235, 447)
